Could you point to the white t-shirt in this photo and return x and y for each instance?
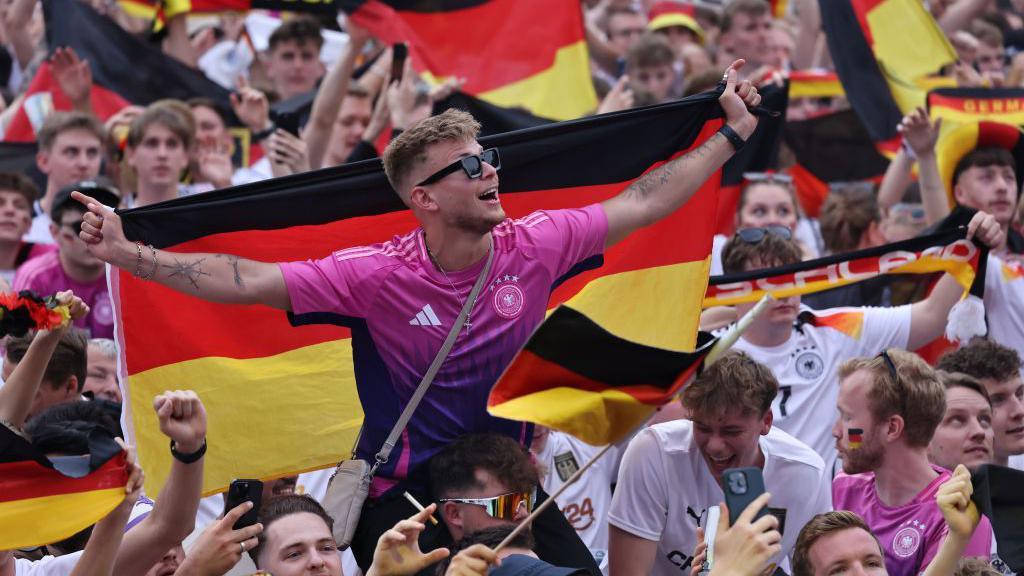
(1004, 302)
(39, 233)
(665, 487)
(585, 503)
(806, 366)
(1016, 462)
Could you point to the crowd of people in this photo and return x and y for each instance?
(865, 448)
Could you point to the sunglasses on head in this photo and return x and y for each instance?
(767, 177)
(756, 235)
(503, 507)
(891, 367)
(473, 166)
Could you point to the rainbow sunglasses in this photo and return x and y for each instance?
(503, 507)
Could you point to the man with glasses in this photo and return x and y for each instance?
(72, 266)
(889, 406)
(484, 481)
(804, 347)
(402, 297)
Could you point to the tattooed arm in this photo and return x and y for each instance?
(660, 192)
(216, 277)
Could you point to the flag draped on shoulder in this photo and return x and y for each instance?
(499, 46)
(577, 377)
(125, 70)
(884, 51)
(976, 118)
(947, 251)
(285, 397)
(43, 501)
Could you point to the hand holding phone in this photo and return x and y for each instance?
(243, 491)
(742, 486)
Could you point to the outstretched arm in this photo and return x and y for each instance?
(21, 387)
(216, 277)
(660, 192)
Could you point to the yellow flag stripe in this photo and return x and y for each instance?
(317, 382)
(34, 522)
(653, 306)
(594, 417)
(562, 92)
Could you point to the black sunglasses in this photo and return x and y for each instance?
(473, 166)
(756, 235)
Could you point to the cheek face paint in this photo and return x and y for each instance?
(855, 436)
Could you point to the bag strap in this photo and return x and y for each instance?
(421, 390)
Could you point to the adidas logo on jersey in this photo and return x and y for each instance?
(425, 317)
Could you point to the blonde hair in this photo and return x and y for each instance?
(410, 148)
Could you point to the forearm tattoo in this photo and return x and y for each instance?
(234, 260)
(659, 178)
(191, 271)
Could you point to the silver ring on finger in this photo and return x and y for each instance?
(242, 544)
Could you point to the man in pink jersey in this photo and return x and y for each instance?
(889, 407)
(401, 297)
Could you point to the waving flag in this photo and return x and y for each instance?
(884, 51)
(577, 377)
(43, 501)
(285, 398)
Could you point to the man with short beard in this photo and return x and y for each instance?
(889, 407)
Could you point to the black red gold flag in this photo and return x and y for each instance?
(574, 376)
(884, 51)
(276, 371)
(45, 500)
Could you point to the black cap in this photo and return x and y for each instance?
(100, 188)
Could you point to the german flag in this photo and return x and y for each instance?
(814, 84)
(817, 142)
(286, 397)
(946, 251)
(577, 377)
(43, 500)
(882, 49)
(125, 70)
(674, 13)
(507, 58)
(976, 118)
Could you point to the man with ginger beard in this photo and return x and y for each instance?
(889, 406)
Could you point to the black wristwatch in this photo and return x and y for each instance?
(733, 138)
(188, 458)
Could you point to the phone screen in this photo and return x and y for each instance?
(398, 54)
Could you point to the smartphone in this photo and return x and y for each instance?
(241, 491)
(287, 121)
(742, 486)
(399, 52)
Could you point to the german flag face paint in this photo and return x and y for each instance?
(855, 436)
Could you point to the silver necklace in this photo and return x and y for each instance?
(458, 295)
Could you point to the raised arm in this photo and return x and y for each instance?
(183, 420)
(928, 317)
(962, 517)
(922, 134)
(101, 550)
(20, 389)
(330, 96)
(660, 192)
(221, 278)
